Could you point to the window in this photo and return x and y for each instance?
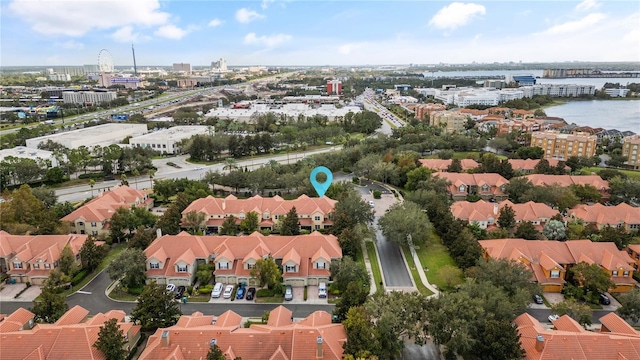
(182, 268)
(250, 266)
(17, 265)
(93, 224)
(265, 215)
(80, 223)
(36, 266)
(321, 265)
(461, 188)
(241, 216)
(47, 266)
(154, 265)
(223, 266)
(290, 268)
(634, 226)
(82, 232)
(625, 273)
(485, 187)
(317, 227)
(317, 218)
(555, 274)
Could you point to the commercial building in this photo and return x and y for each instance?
(563, 146)
(59, 77)
(521, 80)
(293, 110)
(166, 140)
(107, 80)
(29, 153)
(220, 65)
(334, 87)
(631, 150)
(617, 92)
(182, 67)
(88, 97)
(103, 135)
(450, 121)
(314, 337)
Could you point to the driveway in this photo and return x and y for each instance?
(9, 292)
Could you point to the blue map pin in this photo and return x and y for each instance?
(321, 188)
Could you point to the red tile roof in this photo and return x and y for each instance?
(16, 321)
(103, 206)
(442, 165)
(494, 181)
(280, 338)
(566, 180)
(606, 215)
(530, 164)
(483, 210)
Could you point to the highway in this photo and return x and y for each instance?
(368, 100)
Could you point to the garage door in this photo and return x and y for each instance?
(179, 281)
(313, 281)
(295, 282)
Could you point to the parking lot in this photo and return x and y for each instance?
(298, 297)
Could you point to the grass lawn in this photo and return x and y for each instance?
(433, 256)
(117, 294)
(463, 155)
(272, 299)
(112, 255)
(200, 298)
(375, 266)
(414, 273)
(360, 258)
(631, 174)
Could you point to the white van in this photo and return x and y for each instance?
(322, 290)
(217, 290)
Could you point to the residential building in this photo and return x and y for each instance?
(617, 92)
(631, 150)
(550, 260)
(522, 114)
(88, 97)
(485, 214)
(334, 87)
(488, 185)
(567, 180)
(528, 126)
(622, 215)
(30, 258)
(71, 337)
(474, 114)
(451, 121)
(634, 252)
(526, 166)
(422, 111)
(314, 337)
(563, 146)
(313, 213)
(558, 90)
(103, 135)
(616, 339)
(443, 165)
(93, 217)
(304, 259)
(167, 140)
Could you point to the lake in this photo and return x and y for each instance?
(608, 114)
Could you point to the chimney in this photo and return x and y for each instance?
(223, 204)
(319, 348)
(495, 209)
(539, 343)
(158, 233)
(164, 340)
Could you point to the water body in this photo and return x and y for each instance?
(608, 114)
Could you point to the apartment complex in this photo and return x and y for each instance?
(334, 87)
(314, 337)
(485, 214)
(563, 146)
(304, 259)
(422, 111)
(451, 121)
(622, 215)
(630, 150)
(93, 217)
(528, 126)
(567, 180)
(30, 258)
(551, 260)
(313, 213)
(488, 185)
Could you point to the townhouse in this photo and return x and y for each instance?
(615, 339)
(304, 259)
(30, 258)
(526, 166)
(71, 337)
(567, 180)
(314, 337)
(527, 126)
(489, 186)
(93, 217)
(313, 213)
(551, 260)
(622, 215)
(443, 165)
(485, 214)
(634, 253)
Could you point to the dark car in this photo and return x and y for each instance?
(180, 291)
(251, 293)
(538, 299)
(240, 293)
(604, 299)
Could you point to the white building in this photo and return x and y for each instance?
(220, 65)
(29, 153)
(165, 140)
(84, 97)
(617, 92)
(289, 110)
(59, 77)
(103, 135)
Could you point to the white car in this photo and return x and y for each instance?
(171, 288)
(372, 204)
(553, 317)
(227, 292)
(217, 290)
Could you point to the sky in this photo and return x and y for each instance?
(316, 33)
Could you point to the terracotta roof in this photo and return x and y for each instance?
(103, 206)
(572, 343)
(530, 164)
(280, 338)
(566, 180)
(442, 165)
(47, 248)
(606, 215)
(616, 324)
(494, 181)
(16, 320)
(566, 323)
(483, 210)
(73, 316)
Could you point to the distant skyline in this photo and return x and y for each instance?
(315, 33)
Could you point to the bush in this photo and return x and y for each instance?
(135, 290)
(205, 289)
(98, 175)
(305, 293)
(265, 293)
(79, 277)
(28, 284)
(377, 194)
(356, 180)
(190, 290)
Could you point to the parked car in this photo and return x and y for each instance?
(288, 293)
(553, 317)
(322, 290)
(604, 299)
(251, 293)
(217, 290)
(171, 288)
(180, 290)
(227, 292)
(240, 293)
(372, 204)
(537, 299)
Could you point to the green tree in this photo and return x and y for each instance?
(450, 274)
(532, 152)
(350, 211)
(267, 272)
(50, 305)
(215, 353)
(204, 273)
(142, 238)
(354, 296)
(67, 263)
(592, 278)
(129, 267)
(91, 255)
(516, 188)
(511, 276)
(345, 271)
(290, 225)
(577, 311)
(403, 220)
(526, 230)
(229, 226)
(507, 218)
(111, 341)
(630, 309)
(350, 239)
(156, 308)
(586, 193)
(250, 222)
(193, 221)
(361, 333)
(169, 223)
(455, 166)
(498, 340)
(554, 230)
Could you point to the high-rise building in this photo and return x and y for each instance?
(334, 87)
(630, 149)
(182, 67)
(88, 97)
(220, 65)
(563, 146)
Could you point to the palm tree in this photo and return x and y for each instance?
(230, 164)
(151, 173)
(252, 153)
(135, 174)
(92, 183)
(123, 180)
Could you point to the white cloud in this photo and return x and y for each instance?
(576, 25)
(125, 34)
(76, 18)
(246, 16)
(587, 5)
(171, 32)
(215, 23)
(265, 4)
(71, 45)
(270, 41)
(455, 15)
(348, 49)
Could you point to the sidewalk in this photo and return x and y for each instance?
(373, 288)
(423, 276)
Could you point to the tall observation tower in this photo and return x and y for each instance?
(135, 68)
